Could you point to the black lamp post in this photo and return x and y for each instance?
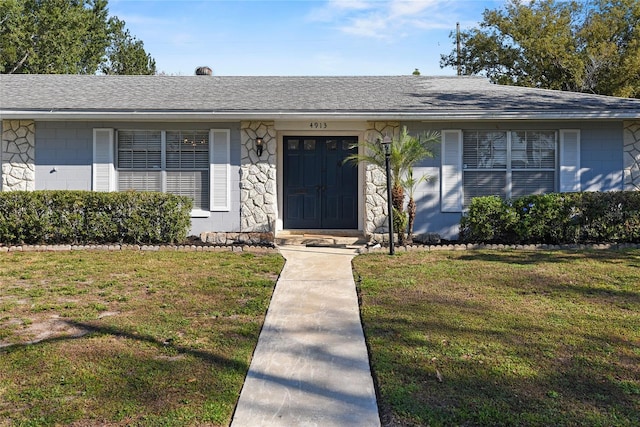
(386, 143)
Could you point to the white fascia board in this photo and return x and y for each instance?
(454, 115)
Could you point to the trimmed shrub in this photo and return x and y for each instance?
(83, 217)
(556, 218)
(488, 219)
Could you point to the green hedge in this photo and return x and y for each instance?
(556, 218)
(83, 217)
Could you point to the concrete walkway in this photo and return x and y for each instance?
(311, 366)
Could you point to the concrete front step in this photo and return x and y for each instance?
(320, 239)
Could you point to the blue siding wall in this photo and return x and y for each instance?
(601, 159)
(64, 159)
(63, 156)
(601, 164)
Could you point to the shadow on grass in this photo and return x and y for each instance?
(630, 256)
(498, 382)
(203, 355)
(538, 282)
(89, 328)
(545, 338)
(116, 382)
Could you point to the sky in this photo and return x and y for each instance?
(299, 37)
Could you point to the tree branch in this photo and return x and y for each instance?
(20, 63)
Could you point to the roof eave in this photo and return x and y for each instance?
(428, 115)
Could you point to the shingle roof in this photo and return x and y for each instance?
(418, 97)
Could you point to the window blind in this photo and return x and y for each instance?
(191, 163)
(140, 181)
(139, 149)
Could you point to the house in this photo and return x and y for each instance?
(264, 154)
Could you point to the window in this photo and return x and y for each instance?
(192, 163)
(508, 164)
(174, 162)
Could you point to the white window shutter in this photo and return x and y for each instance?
(103, 173)
(451, 174)
(220, 170)
(569, 160)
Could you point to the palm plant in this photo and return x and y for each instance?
(405, 152)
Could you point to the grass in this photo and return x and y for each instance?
(128, 338)
(504, 338)
(478, 338)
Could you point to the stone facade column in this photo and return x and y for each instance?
(376, 206)
(632, 156)
(17, 155)
(258, 198)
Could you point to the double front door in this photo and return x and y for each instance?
(320, 191)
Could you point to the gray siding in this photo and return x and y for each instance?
(64, 155)
(601, 160)
(64, 159)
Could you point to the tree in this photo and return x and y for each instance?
(591, 46)
(406, 151)
(59, 36)
(126, 54)
(612, 48)
(11, 25)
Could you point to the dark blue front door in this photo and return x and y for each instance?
(319, 191)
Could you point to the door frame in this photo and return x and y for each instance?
(355, 129)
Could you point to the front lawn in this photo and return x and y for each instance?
(504, 338)
(128, 338)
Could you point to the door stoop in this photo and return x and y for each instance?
(321, 238)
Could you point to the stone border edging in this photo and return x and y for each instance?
(483, 246)
(275, 249)
(149, 248)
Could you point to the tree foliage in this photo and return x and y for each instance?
(591, 46)
(126, 54)
(66, 37)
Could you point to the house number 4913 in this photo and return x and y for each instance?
(318, 125)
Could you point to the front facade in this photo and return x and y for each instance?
(265, 154)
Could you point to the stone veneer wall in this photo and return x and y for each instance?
(632, 156)
(258, 189)
(376, 207)
(17, 155)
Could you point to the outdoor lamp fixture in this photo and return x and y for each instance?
(259, 145)
(386, 144)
